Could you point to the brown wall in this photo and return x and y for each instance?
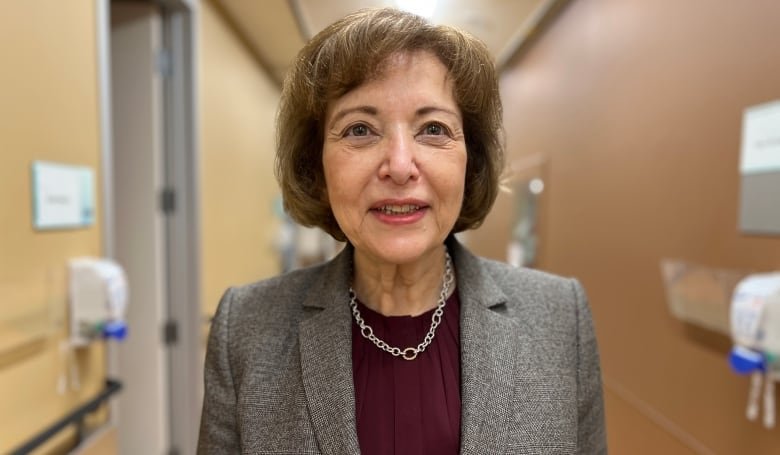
(636, 107)
(48, 111)
(237, 107)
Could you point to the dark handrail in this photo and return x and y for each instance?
(77, 417)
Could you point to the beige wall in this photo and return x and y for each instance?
(237, 107)
(48, 111)
(637, 105)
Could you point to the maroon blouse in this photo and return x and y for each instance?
(408, 406)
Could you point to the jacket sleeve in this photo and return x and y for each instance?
(218, 426)
(591, 433)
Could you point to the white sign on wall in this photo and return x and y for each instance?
(761, 139)
(63, 195)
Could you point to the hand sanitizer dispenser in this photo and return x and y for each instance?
(755, 329)
(98, 298)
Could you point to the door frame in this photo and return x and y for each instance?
(183, 223)
(182, 207)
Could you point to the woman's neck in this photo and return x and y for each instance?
(399, 289)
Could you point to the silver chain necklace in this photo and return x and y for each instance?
(409, 353)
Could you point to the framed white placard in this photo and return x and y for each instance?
(761, 139)
(63, 196)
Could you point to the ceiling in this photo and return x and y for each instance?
(274, 30)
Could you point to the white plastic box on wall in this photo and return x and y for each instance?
(98, 297)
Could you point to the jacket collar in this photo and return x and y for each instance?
(487, 355)
(473, 280)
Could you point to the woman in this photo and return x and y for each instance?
(389, 138)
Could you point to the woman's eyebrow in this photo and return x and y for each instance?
(371, 110)
(430, 109)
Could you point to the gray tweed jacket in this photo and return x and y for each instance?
(279, 369)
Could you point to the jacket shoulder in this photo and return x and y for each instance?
(274, 291)
(544, 303)
(271, 306)
(530, 282)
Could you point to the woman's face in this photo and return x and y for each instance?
(394, 156)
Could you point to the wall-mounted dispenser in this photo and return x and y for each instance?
(98, 298)
(755, 329)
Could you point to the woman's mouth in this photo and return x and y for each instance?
(404, 209)
(400, 212)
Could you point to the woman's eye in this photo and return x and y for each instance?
(434, 129)
(358, 130)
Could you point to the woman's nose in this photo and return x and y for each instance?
(399, 162)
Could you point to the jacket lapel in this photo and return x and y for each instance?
(488, 354)
(325, 340)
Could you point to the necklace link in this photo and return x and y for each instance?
(409, 353)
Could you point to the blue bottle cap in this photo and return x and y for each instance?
(116, 330)
(746, 361)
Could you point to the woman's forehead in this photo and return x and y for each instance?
(418, 76)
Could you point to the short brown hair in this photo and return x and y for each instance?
(348, 53)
